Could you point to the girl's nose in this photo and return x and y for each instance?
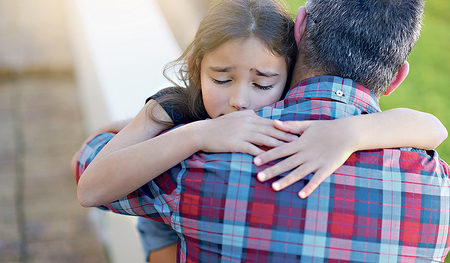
(239, 98)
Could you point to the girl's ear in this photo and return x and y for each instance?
(398, 79)
(300, 24)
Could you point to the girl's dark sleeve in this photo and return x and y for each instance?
(171, 110)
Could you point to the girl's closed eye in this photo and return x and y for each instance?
(220, 81)
(262, 87)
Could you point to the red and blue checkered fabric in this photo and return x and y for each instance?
(388, 205)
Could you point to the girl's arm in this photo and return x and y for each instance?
(136, 155)
(325, 145)
(113, 127)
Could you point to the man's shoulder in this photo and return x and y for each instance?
(400, 160)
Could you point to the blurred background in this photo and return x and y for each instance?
(40, 129)
(54, 52)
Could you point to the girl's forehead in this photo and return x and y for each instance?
(244, 55)
(243, 45)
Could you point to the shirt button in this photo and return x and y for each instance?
(339, 93)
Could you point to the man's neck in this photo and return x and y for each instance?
(297, 77)
(302, 72)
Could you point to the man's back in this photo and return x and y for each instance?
(381, 205)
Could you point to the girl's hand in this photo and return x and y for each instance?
(241, 131)
(321, 149)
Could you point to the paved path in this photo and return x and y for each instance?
(40, 217)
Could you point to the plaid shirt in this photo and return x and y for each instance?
(388, 205)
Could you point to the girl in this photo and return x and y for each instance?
(240, 60)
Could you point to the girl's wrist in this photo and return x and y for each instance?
(353, 136)
(195, 131)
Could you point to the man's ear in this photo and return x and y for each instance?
(398, 79)
(300, 24)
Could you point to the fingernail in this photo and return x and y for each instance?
(276, 186)
(257, 161)
(262, 176)
(302, 195)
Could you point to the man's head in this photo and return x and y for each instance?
(367, 41)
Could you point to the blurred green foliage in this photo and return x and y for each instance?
(425, 89)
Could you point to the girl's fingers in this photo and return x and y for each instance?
(267, 126)
(266, 135)
(296, 127)
(281, 167)
(293, 177)
(263, 140)
(275, 153)
(281, 135)
(251, 149)
(315, 181)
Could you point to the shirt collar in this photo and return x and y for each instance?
(338, 89)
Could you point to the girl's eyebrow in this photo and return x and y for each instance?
(266, 74)
(219, 69)
(259, 73)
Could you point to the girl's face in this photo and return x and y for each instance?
(241, 74)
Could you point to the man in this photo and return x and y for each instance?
(382, 205)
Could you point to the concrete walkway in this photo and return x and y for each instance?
(40, 217)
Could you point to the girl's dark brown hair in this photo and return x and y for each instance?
(226, 20)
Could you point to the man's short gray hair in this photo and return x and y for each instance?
(364, 40)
